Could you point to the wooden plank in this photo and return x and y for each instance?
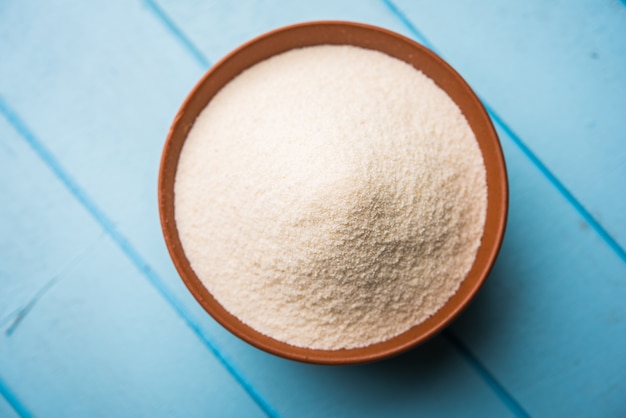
(92, 334)
(554, 71)
(102, 102)
(432, 380)
(201, 22)
(33, 245)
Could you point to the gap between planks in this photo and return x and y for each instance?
(129, 250)
(15, 403)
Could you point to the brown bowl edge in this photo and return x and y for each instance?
(337, 32)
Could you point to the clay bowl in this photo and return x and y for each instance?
(316, 33)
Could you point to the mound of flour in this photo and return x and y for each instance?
(331, 197)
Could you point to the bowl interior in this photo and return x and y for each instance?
(341, 33)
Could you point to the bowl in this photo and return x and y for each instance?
(395, 45)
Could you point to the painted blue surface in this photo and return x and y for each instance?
(554, 71)
(10, 406)
(95, 321)
(92, 334)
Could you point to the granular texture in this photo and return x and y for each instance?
(331, 197)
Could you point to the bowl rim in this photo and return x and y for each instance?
(497, 206)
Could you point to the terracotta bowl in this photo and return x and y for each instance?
(317, 33)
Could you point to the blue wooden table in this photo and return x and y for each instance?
(94, 320)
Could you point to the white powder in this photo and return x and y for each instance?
(331, 197)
